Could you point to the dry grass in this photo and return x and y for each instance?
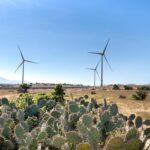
(126, 106)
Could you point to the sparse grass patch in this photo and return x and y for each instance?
(145, 115)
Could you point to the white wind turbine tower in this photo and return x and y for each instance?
(95, 72)
(103, 56)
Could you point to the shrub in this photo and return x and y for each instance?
(23, 88)
(86, 96)
(41, 96)
(58, 94)
(93, 92)
(140, 95)
(115, 87)
(122, 96)
(145, 88)
(127, 87)
(24, 100)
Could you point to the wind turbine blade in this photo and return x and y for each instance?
(19, 66)
(97, 65)
(98, 75)
(106, 46)
(108, 63)
(90, 68)
(95, 53)
(31, 62)
(20, 52)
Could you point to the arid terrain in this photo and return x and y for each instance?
(126, 105)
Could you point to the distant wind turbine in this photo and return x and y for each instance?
(95, 72)
(103, 56)
(23, 64)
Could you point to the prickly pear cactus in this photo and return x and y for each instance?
(2, 122)
(50, 132)
(138, 122)
(25, 126)
(116, 144)
(14, 115)
(110, 126)
(19, 131)
(50, 121)
(50, 104)
(94, 137)
(82, 129)
(113, 109)
(147, 122)
(73, 118)
(58, 141)
(132, 117)
(5, 101)
(6, 132)
(82, 110)
(73, 108)
(23, 148)
(134, 144)
(84, 146)
(41, 103)
(42, 136)
(120, 123)
(7, 145)
(131, 134)
(105, 117)
(20, 115)
(55, 114)
(90, 107)
(73, 137)
(87, 120)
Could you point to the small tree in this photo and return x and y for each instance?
(58, 94)
(127, 87)
(115, 87)
(146, 88)
(24, 87)
(140, 95)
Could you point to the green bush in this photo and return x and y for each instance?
(86, 96)
(41, 96)
(24, 100)
(115, 87)
(145, 88)
(140, 95)
(127, 87)
(58, 94)
(24, 87)
(122, 97)
(93, 92)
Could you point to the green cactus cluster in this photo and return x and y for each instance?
(130, 142)
(38, 122)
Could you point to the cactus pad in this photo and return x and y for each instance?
(113, 109)
(73, 137)
(134, 144)
(73, 108)
(84, 146)
(59, 141)
(115, 144)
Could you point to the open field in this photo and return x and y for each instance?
(126, 106)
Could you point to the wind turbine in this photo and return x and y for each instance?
(95, 72)
(23, 64)
(103, 56)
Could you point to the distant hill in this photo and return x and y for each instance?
(6, 81)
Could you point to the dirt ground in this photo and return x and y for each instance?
(126, 106)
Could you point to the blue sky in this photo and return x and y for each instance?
(59, 33)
